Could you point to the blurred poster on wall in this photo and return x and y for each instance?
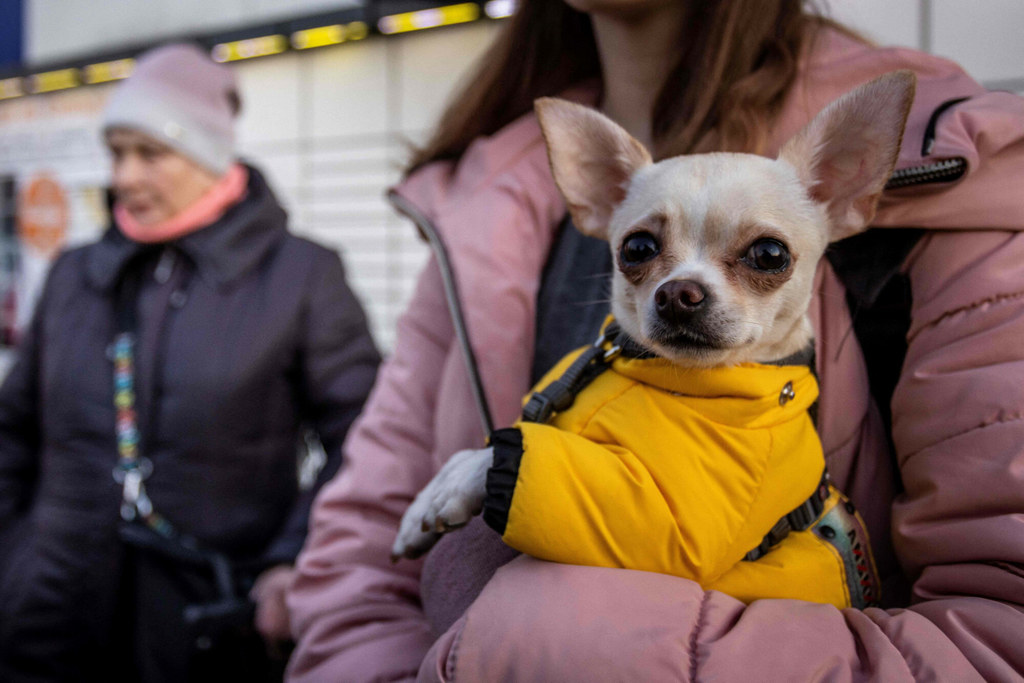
(53, 174)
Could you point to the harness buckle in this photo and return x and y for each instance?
(560, 393)
(799, 519)
(607, 334)
(612, 353)
(538, 408)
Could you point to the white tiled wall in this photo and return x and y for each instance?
(985, 36)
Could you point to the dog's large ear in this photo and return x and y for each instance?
(592, 159)
(846, 154)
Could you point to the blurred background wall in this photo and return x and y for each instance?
(331, 126)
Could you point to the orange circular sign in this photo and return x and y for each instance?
(43, 214)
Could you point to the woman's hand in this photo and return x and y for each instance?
(271, 612)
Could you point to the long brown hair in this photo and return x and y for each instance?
(739, 58)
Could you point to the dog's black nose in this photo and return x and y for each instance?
(678, 300)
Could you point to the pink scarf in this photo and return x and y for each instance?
(228, 191)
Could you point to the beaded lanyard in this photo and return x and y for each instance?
(132, 469)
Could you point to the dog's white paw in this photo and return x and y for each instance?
(448, 502)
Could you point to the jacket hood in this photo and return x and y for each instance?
(222, 252)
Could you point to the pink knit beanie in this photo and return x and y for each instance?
(184, 99)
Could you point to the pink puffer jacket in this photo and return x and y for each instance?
(956, 529)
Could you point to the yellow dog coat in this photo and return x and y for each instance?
(683, 471)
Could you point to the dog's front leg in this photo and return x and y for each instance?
(448, 502)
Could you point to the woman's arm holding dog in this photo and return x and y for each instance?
(540, 620)
(959, 432)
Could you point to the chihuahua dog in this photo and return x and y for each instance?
(715, 255)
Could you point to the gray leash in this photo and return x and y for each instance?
(451, 294)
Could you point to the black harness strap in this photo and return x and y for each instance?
(560, 394)
(799, 519)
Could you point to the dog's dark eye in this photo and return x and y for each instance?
(768, 255)
(638, 248)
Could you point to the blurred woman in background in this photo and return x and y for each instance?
(150, 428)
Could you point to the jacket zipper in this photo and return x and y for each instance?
(944, 171)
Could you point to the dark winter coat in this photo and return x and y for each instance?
(246, 334)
